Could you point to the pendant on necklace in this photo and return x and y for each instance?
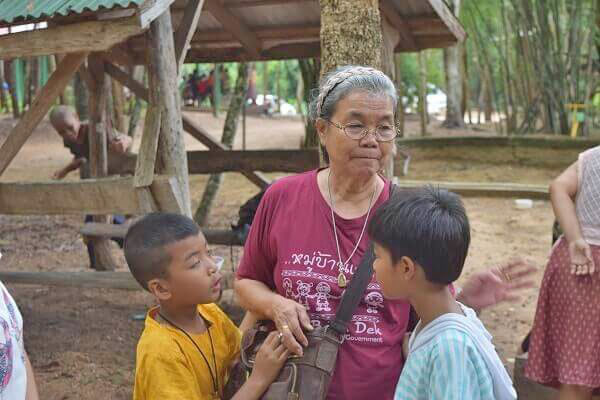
(342, 280)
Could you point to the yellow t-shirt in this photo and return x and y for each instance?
(169, 366)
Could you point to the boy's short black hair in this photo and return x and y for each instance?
(146, 240)
(428, 225)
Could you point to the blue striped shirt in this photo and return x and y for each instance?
(449, 367)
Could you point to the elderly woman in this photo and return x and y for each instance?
(308, 237)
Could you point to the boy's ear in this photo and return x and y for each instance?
(160, 289)
(408, 268)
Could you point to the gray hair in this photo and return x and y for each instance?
(339, 83)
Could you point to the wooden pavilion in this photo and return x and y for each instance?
(105, 37)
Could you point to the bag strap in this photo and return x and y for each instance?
(357, 286)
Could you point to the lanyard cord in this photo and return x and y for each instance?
(215, 378)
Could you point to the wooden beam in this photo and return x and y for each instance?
(201, 135)
(79, 37)
(172, 158)
(208, 162)
(119, 54)
(42, 103)
(547, 142)
(389, 10)
(260, 3)
(279, 52)
(478, 189)
(146, 159)
(283, 32)
(236, 26)
(150, 10)
(89, 196)
(88, 279)
(213, 236)
(127, 80)
(454, 26)
(187, 28)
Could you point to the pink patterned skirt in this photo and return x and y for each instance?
(565, 340)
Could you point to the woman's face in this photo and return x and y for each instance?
(364, 157)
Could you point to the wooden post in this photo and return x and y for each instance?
(104, 260)
(171, 149)
(216, 94)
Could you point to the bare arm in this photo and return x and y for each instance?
(562, 193)
(289, 316)
(32, 393)
(72, 166)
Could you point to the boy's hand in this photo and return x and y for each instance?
(580, 254)
(269, 360)
(58, 175)
(121, 144)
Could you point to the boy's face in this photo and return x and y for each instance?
(395, 279)
(192, 274)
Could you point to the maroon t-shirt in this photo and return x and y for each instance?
(291, 248)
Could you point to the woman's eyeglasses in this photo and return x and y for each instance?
(383, 133)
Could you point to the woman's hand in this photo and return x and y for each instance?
(582, 262)
(496, 285)
(291, 318)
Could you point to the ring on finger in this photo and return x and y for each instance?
(505, 275)
(285, 327)
(279, 336)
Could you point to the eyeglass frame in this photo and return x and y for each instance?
(365, 133)
(219, 261)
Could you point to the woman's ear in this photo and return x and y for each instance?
(160, 289)
(321, 126)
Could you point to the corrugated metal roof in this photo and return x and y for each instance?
(24, 10)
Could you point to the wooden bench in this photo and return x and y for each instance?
(213, 236)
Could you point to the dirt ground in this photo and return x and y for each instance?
(82, 342)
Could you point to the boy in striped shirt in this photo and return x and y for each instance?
(421, 241)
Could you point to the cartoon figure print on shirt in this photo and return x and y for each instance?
(311, 280)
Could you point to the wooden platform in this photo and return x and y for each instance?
(552, 142)
(479, 189)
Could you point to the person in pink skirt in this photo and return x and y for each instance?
(565, 341)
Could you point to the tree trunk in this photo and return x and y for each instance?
(422, 106)
(216, 94)
(229, 130)
(310, 70)
(400, 90)
(350, 33)
(454, 83)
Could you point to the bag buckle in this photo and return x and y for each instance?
(335, 336)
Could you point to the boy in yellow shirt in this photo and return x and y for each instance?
(188, 344)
